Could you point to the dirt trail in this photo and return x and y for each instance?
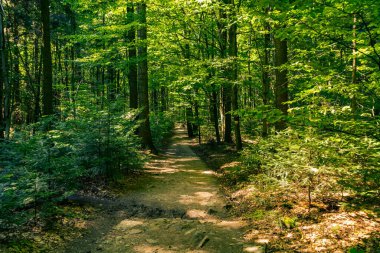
(175, 208)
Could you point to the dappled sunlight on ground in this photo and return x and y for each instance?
(162, 170)
(177, 207)
(339, 230)
(201, 215)
(209, 172)
(254, 249)
(200, 198)
(232, 224)
(127, 224)
(332, 232)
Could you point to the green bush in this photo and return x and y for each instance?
(47, 162)
(321, 162)
(162, 124)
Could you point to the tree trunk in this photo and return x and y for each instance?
(3, 77)
(233, 53)
(37, 79)
(281, 87)
(354, 80)
(7, 88)
(265, 78)
(5, 95)
(215, 114)
(163, 99)
(72, 82)
(132, 68)
(16, 117)
(226, 88)
(47, 85)
(142, 79)
(189, 122)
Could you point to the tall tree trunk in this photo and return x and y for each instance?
(142, 79)
(47, 85)
(132, 68)
(189, 122)
(164, 100)
(281, 87)
(214, 93)
(3, 77)
(215, 114)
(233, 53)
(197, 125)
(37, 79)
(354, 79)
(227, 94)
(265, 78)
(226, 88)
(16, 118)
(6, 119)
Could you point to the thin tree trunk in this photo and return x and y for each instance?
(142, 79)
(163, 99)
(132, 68)
(265, 78)
(197, 125)
(281, 88)
(37, 106)
(189, 122)
(354, 80)
(72, 82)
(233, 53)
(37, 80)
(3, 77)
(5, 127)
(47, 85)
(16, 78)
(226, 88)
(215, 114)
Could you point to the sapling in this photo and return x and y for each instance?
(311, 174)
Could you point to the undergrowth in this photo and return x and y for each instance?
(299, 182)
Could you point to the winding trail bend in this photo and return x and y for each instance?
(177, 207)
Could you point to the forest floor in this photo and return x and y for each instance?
(286, 224)
(182, 202)
(176, 206)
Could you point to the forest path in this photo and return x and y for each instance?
(177, 207)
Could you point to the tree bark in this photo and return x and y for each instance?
(3, 77)
(163, 99)
(233, 53)
(142, 79)
(189, 122)
(265, 78)
(281, 87)
(37, 79)
(47, 85)
(132, 68)
(215, 117)
(354, 78)
(226, 87)
(16, 117)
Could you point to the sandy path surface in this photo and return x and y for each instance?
(177, 207)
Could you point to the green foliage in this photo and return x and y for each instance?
(162, 124)
(307, 157)
(107, 143)
(288, 222)
(39, 170)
